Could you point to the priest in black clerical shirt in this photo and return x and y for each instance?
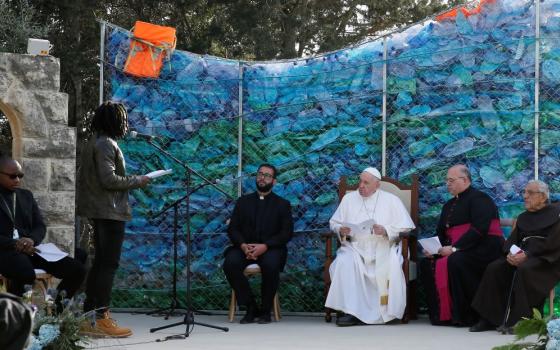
(469, 231)
(520, 280)
(261, 225)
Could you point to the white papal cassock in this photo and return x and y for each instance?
(367, 280)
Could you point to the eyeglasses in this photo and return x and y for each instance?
(12, 176)
(529, 192)
(451, 180)
(265, 175)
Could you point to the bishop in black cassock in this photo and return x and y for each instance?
(470, 233)
(518, 282)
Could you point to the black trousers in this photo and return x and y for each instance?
(108, 237)
(19, 268)
(426, 268)
(271, 263)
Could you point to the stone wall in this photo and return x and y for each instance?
(42, 141)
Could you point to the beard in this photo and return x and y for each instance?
(264, 188)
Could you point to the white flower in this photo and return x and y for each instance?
(553, 328)
(553, 344)
(48, 333)
(34, 344)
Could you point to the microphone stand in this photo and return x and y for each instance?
(188, 319)
(174, 304)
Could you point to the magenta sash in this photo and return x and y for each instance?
(441, 275)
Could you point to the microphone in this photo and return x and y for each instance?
(137, 135)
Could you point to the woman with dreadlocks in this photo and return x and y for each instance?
(102, 197)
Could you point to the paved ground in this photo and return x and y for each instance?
(296, 332)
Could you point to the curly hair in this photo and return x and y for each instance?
(110, 119)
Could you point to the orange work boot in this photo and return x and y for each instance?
(88, 329)
(104, 327)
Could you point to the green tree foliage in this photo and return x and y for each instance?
(292, 28)
(241, 29)
(75, 38)
(20, 21)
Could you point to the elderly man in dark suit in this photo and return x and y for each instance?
(21, 230)
(260, 227)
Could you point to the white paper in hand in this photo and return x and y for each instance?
(159, 173)
(362, 229)
(50, 252)
(515, 249)
(431, 245)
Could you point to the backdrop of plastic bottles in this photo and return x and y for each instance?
(476, 86)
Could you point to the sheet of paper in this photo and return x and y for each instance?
(514, 249)
(361, 229)
(50, 252)
(356, 230)
(431, 245)
(159, 173)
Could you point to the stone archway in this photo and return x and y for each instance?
(42, 140)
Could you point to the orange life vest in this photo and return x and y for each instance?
(149, 45)
(451, 14)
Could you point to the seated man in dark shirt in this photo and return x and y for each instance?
(260, 227)
(21, 230)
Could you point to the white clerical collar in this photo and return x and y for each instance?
(262, 196)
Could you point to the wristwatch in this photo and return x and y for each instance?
(453, 249)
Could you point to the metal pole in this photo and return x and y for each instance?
(384, 112)
(240, 134)
(101, 60)
(537, 83)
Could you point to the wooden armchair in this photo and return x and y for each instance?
(409, 196)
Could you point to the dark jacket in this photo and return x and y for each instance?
(273, 228)
(16, 321)
(102, 183)
(29, 221)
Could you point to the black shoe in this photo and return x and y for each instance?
(482, 326)
(441, 323)
(505, 330)
(265, 318)
(250, 314)
(339, 315)
(347, 321)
